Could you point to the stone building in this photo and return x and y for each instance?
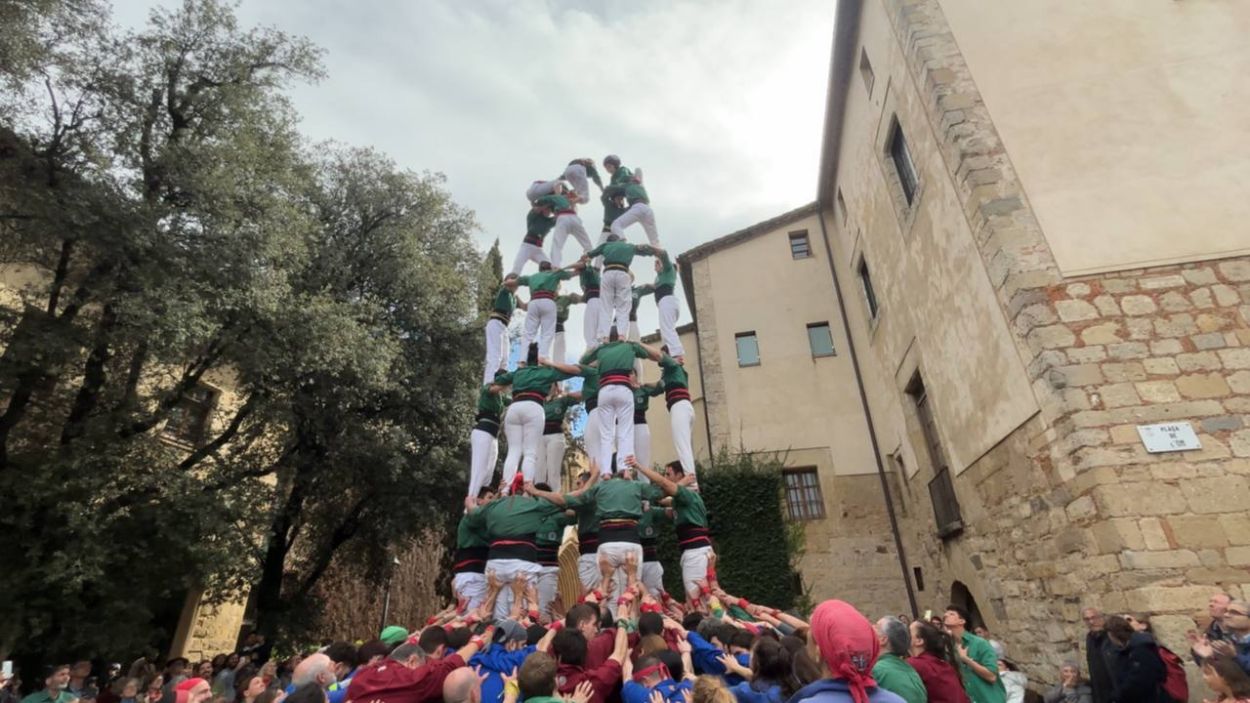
(1031, 221)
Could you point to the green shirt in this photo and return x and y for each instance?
(532, 379)
(673, 373)
(590, 387)
(490, 403)
(551, 530)
(668, 273)
(553, 410)
(587, 519)
(563, 302)
(614, 498)
(548, 281)
(589, 278)
(555, 202)
(505, 302)
(621, 176)
(649, 524)
(633, 192)
(643, 395)
(895, 675)
(977, 688)
(637, 293)
(467, 534)
(41, 696)
(688, 509)
(611, 210)
(537, 225)
(615, 356)
(620, 252)
(513, 516)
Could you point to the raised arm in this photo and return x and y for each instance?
(653, 353)
(569, 369)
(665, 485)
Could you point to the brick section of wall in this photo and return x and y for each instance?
(1070, 509)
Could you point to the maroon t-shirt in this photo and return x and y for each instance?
(941, 680)
(389, 681)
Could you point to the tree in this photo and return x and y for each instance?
(489, 279)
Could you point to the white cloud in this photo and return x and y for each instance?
(720, 102)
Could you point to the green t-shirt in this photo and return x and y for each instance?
(621, 176)
(533, 379)
(637, 293)
(513, 516)
(555, 202)
(553, 410)
(468, 534)
(615, 356)
(505, 303)
(546, 281)
(537, 225)
(590, 387)
(667, 275)
(688, 509)
(611, 210)
(587, 519)
(552, 529)
(589, 278)
(633, 192)
(649, 524)
(673, 373)
(977, 688)
(895, 675)
(41, 696)
(621, 252)
(614, 498)
(563, 302)
(643, 395)
(490, 403)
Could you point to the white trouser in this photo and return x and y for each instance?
(538, 189)
(638, 212)
(693, 569)
(616, 425)
(496, 349)
(590, 323)
(566, 224)
(540, 325)
(642, 445)
(483, 452)
(615, 554)
(588, 570)
(558, 349)
(590, 434)
(681, 423)
(470, 586)
(669, 311)
(528, 252)
(577, 177)
(652, 577)
(548, 584)
(616, 302)
(553, 459)
(505, 570)
(523, 426)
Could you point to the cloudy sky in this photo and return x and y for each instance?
(719, 101)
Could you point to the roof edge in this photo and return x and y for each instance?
(841, 63)
(707, 248)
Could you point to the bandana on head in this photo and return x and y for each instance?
(188, 684)
(848, 645)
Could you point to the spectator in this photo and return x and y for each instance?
(224, 678)
(892, 672)
(845, 644)
(1098, 655)
(307, 693)
(154, 690)
(55, 681)
(1015, 683)
(999, 648)
(194, 690)
(1137, 669)
(570, 649)
(269, 674)
(535, 681)
(315, 668)
(806, 670)
(393, 636)
(1072, 688)
(79, 675)
(772, 675)
(1236, 642)
(9, 687)
(372, 652)
(710, 689)
(343, 658)
(978, 664)
(256, 649)
(1216, 606)
(205, 670)
(934, 659)
(408, 676)
(1175, 684)
(271, 695)
(433, 641)
(1224, 676)
(251, 688)
(126, 690)
(462, 686)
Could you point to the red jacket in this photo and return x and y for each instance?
(389, 681)
(941, 680)
(604, 678)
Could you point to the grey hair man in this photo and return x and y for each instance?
(892, 672)
(1099, 653)
(315, 668)
(462, 686)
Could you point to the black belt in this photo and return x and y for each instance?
(613, 378)
(553, 427)
(650, 552)
(588, 543)
(616, 267)
(531, 396)
(470, 560)
(640, 417)
(521, 547)
(534, 239)
(663, 291)
(502, 317)
(588, 293)
(592, 401)
(622, 530)
(693, 537)
(675, 394)
(635, 201)
(487, 423)
(549, 555)
(559, 328)
(543, 295)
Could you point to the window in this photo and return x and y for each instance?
(799, 247)
(819, 338)
(841, 207)
(865, 71)
(918, 576)
(941, 490)
(904, 168)
(870, 296)
(804, 501)
(189, 418)
(748, 349)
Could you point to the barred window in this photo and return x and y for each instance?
(189, 418)
(804, 501)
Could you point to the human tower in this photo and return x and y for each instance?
(619, 505)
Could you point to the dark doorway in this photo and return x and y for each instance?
(961, 596)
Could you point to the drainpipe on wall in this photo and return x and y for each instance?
(872, 429)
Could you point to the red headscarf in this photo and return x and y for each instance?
(188, 684)
(848, 645)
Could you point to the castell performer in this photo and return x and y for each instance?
(540, 188)
(690, 517)
(614, 201)
(484, 438)
(616, 282)
(577, 173)
(652, 572)
(550, 536)
(563, 303)
(524, 424)
(567, 222)
(615, 362)
(551, 448)
(590, 396)
(497, 327)
(666, 303)
(680, 410)
(539, 221)
(630, 187)
(511, 524)
(469, 566)
(636, 294)
(540, 315)
(589, 278)
(642, 434)
(587, 532)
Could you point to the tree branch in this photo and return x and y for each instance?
(226, 435)
(345, 531)
(93, 378)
